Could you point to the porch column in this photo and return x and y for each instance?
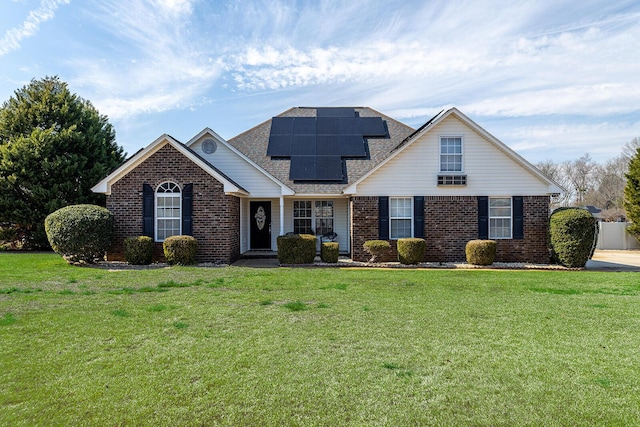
(281, 214)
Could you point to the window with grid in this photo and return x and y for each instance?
(500, 213)
(324, 217)
(451, 154)
(400, 217)
(302, 217)
(168, 211)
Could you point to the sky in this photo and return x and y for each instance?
(552, 79)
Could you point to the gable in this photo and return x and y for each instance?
(490, 167)
(135, 161)
(218, 153)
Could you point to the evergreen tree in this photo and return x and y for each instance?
(54, 146)
(632, 195)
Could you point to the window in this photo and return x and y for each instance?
(302, 217)
(168, 211)
(451, 154)
(400, 217)
(500, 211)
(312, 217)
(324, 217)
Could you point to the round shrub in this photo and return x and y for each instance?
(481, 252)
(181, 250)
(296, 249)
(329, 252)
(138, 250)
(376, 248)
(80, 233)
(411, 250)
(573, 234)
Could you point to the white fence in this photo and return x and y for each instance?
(613, 235)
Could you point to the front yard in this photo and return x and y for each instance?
(236, 346)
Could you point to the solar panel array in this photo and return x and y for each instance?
(317, 145)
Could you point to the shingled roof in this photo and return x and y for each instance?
(254, 143)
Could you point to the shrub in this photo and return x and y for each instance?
(376, 248)
(481, 252)
(329, 252)
(411, 250)
(181, 250)
(138, 250)
(296, 248)
(573, 234)
(80, 233)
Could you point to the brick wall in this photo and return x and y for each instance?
(216, 216)
(450, 222)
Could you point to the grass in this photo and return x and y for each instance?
(83, 346)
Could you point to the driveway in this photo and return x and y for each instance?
(615, 261)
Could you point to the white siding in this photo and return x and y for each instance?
(239, 170)
(489, 171)
(340, 221)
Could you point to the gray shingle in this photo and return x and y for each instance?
(254, 142)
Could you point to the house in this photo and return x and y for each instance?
(351, 171)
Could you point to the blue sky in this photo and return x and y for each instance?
(552, 79)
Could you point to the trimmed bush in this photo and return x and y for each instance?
(181, 250)
(573, 234)
(138, 250)
(481, 252)
(329, 252)
(296, 248)
(376, 248)
(411, 250)
(80, 233)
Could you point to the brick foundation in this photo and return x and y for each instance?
(450, 222)
(216, 216)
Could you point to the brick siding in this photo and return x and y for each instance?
(216, 216)
(450, 222)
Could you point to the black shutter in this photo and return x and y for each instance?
(518, 217)
(187, 210)
(418, 216)
(147, 210)
(383, 218)
(483, 217)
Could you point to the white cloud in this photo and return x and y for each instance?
(12, 38)
(159, 69)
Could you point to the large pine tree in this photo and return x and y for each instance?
(632, 194)
(54, 146)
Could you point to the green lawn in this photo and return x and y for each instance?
(232, 346)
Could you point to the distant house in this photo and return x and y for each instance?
(351, 171)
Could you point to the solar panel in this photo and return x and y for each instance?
(327, 126)
(373, 126)
(304, 126)
(328, 168)
(317, 145)
(280, 145)
(350, 126)
(335, 112)
(282, 125)
(303, 145)
(327, 145)
(303, 168)
(352, 146)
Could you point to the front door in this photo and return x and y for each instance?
(260, 225)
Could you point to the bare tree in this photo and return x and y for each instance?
(630, 148)
(608, 181)
(580, 176)
(555, 171)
